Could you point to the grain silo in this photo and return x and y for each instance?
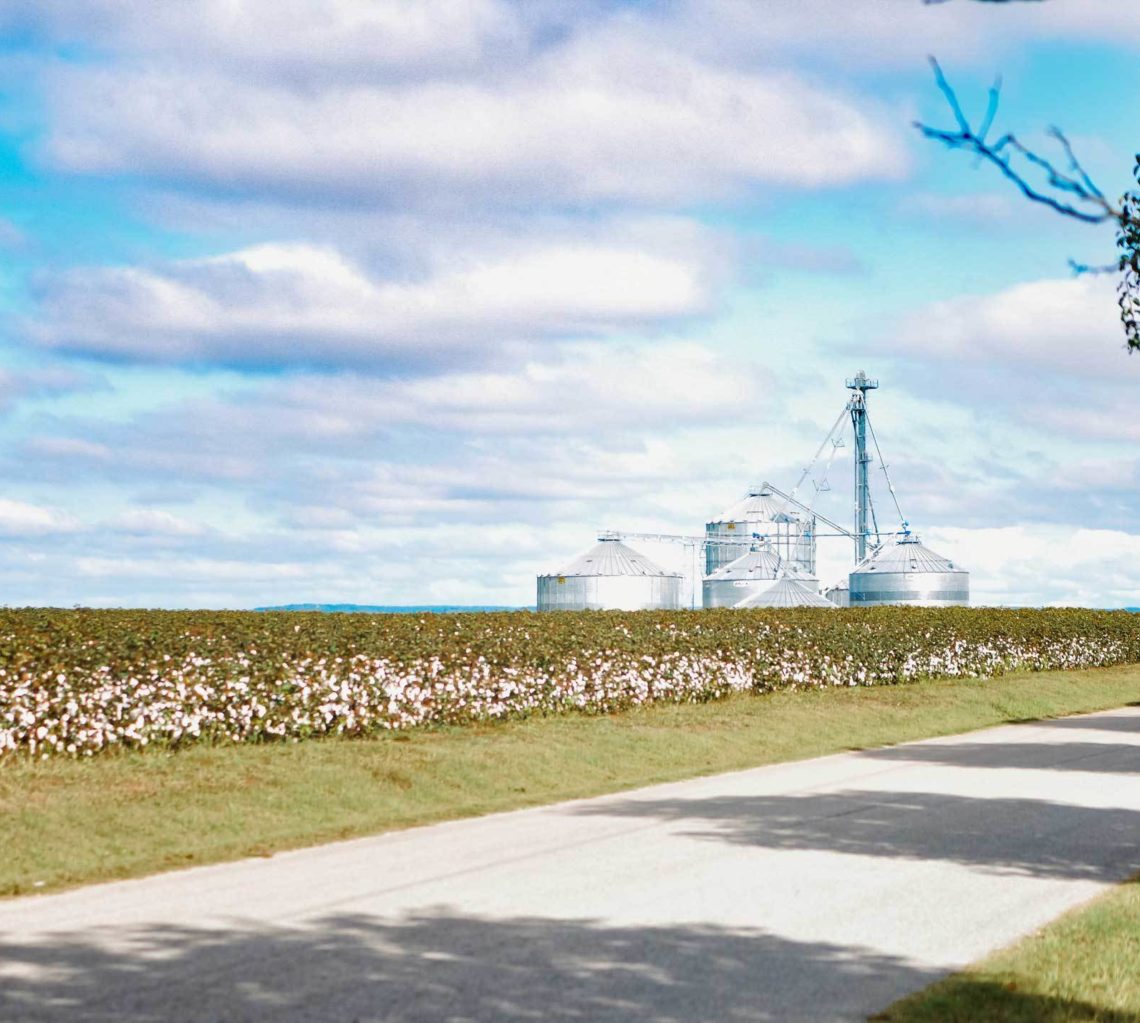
(907, 572)
(748, 574)
(761, 513)
(787, 592)
(840, 593)
(610, 576)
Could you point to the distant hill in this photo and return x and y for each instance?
(391, 609)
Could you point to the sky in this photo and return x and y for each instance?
(402, 301)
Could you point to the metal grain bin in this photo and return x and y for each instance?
(731, 583)
(839, 594)
(766, 514)
(611, 576)
(906, 572)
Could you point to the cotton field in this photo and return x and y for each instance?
(77, 683)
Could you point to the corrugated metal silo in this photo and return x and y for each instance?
(766, 514)
(748, 574)
(610, 576)
(839, 594)
(907, 572)
(751, 573)
(787, 592)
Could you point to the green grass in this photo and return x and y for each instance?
(67, 822)
(1084, 966)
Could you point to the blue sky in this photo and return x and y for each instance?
(401, 302)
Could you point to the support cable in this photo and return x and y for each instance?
(811, 465)
(887, 475)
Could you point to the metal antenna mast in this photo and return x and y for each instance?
(857, 406)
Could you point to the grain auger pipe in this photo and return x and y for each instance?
(840, 530)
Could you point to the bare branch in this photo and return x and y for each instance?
(1080, 186)
(951, 98)
(1080, 269)
(991, 109)
(1087, 203)
(1074, 163)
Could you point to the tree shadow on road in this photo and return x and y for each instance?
(1101, 757)
(1016, 836)
(1129, 723)
(439, 967)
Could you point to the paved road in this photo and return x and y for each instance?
(819, 890)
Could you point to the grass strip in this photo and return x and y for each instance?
(1083, 967)
(66, 822)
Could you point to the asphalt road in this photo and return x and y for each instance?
(819, 890)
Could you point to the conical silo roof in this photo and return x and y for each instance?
(909, 555)
(612, 557)
(786, 592)
(760, 564)
(758, 506)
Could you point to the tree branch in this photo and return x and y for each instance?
(1070, 192)
(1076, 183)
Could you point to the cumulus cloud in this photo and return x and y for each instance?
(20, 385)
(601, 117)
(585, 409)
(1066, 565)
(982, 209)
(153, 522)
(341, 38)
(1066, 325)
(1047, 353)
(587, 386)
(300, 303)
(889, 34)
(268, 566)
(19, 518)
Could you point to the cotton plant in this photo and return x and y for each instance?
(78, 683)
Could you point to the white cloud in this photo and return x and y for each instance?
(345, 38)
(983, 209)
(1040, 366)
(192, 569)
(598, 423)
(72, 447)
(896, 34)
(156, 523)
(1066, 326)
(299, 37)
(576, 388)
(21, 385)
(19, 518)
(280, 304)
(1047, 564)
(590, 422)
(1105, 20)
(602, 117)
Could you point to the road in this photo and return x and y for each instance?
(818, 890)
